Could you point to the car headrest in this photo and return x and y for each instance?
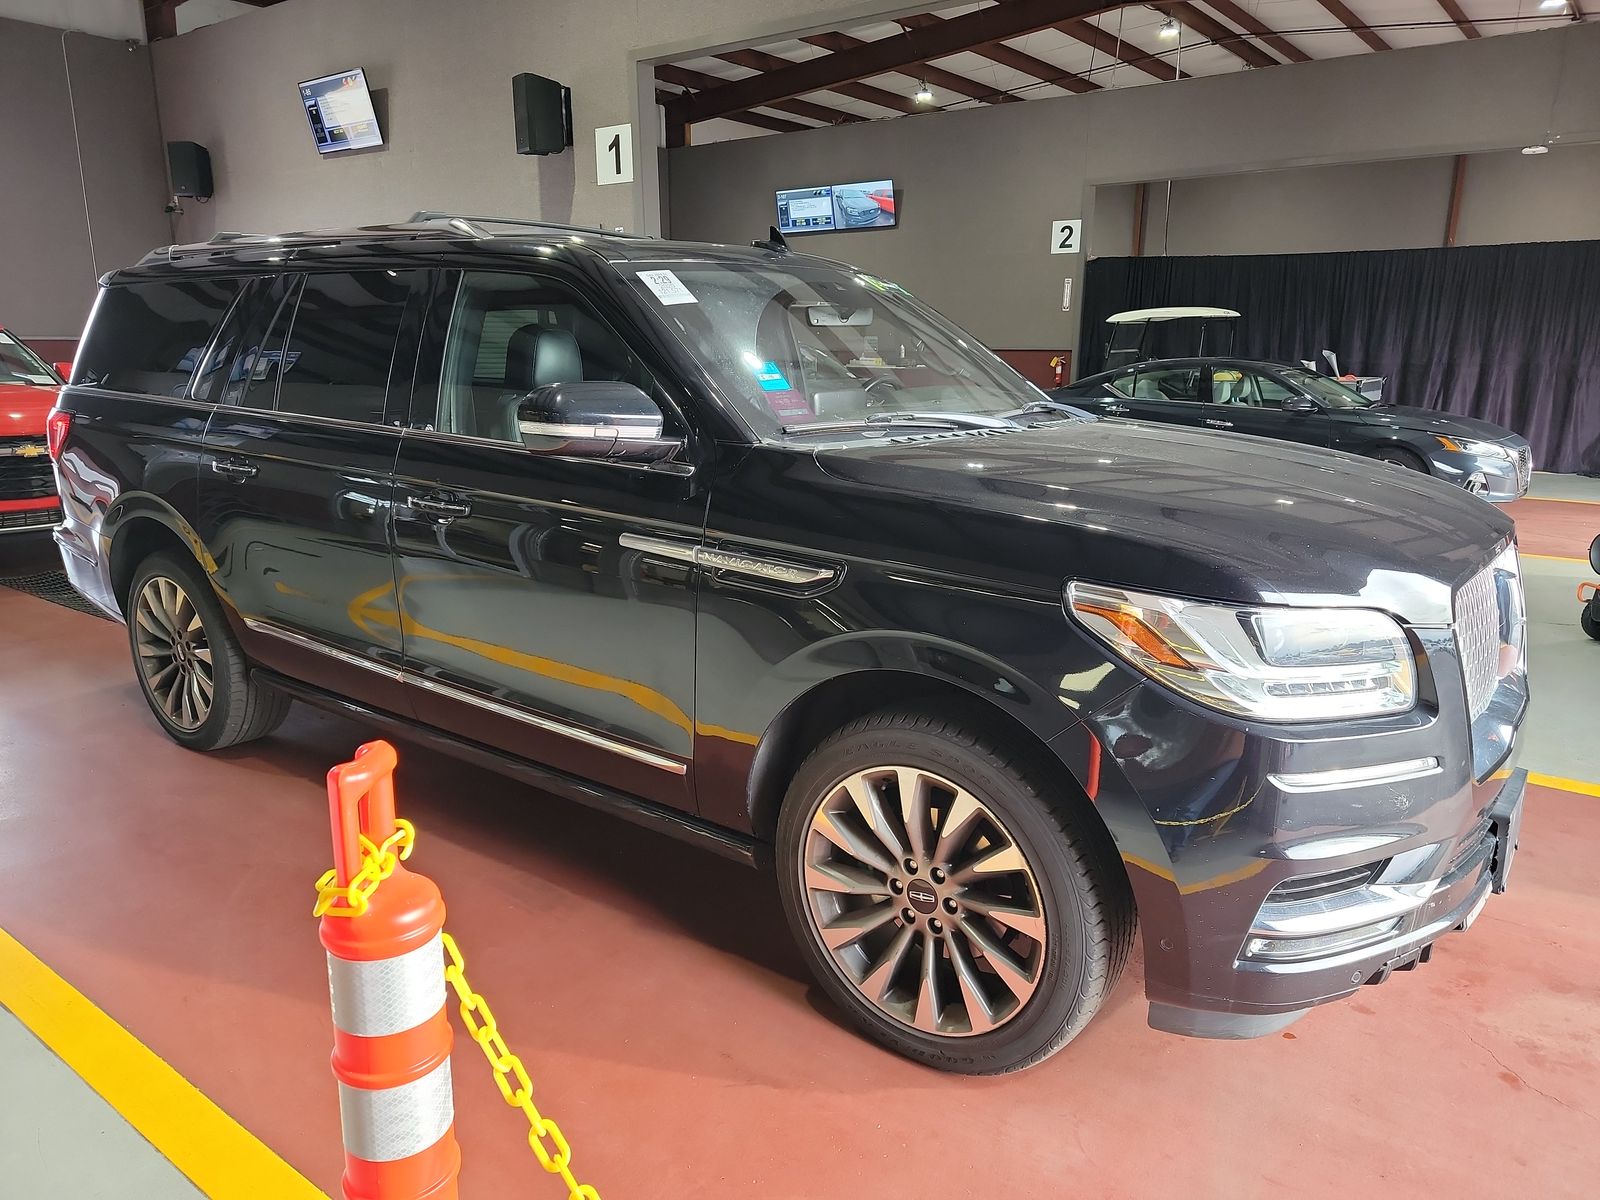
(538, 355)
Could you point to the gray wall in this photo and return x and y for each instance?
(445, 69)
(50, 213)
(1401, 203)
(1510, 197)
(979, 188)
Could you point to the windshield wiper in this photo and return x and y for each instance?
(929, 420)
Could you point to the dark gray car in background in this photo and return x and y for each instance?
(1265, 399)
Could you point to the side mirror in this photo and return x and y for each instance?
(593, 420)
(63, 369)
(1299, 404)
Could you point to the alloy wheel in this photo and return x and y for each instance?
(173, 653)
(924, 901)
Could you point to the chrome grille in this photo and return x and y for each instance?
(1478, 638)
(1524, 460)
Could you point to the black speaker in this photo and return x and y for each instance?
(190, 164)
(544, 114)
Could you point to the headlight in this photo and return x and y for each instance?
(1458, 446)
(1275, 663)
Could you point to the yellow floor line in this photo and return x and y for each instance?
(1561, 500)
(1566, 785)
(223, 1159)
(1553, 557)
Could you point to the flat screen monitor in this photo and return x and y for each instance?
(837, 206)
(339, 108)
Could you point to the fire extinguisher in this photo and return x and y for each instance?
(1058, 368)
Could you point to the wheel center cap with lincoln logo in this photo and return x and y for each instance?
(922, 896)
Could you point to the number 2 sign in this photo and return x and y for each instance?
(1065, 237)
(613, 154)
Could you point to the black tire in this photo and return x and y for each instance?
(1396, 457)
(1082, 889)
(240, 709)
(1589, 619)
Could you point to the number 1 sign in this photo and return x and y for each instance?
(613, 154)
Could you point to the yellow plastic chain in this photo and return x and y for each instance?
(480, 1023)
(377, 864)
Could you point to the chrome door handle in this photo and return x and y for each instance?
(1220, 424)
(234, 468)
(439, 506)
(1116, 408)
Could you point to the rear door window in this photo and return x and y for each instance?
(340, 347)
(1167, 383)
(253, 379)
(150, 337)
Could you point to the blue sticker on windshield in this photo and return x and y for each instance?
(771, 378)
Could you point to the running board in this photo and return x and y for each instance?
(680, 825)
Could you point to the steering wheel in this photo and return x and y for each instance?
(886, 382)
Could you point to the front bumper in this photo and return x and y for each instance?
(1498, 480)
(29, 516)
(1253, 850)
(1267, 995)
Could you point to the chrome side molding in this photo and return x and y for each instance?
(577, 733)
(294, 638)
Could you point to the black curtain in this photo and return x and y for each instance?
(1510, 334)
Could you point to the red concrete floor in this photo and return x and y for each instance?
(1560, 527)
(669, 1027)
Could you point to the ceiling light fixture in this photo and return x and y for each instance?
(1536, 149)
(1170, 28)
(924, 94)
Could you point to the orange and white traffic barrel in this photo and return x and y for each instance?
(391, 1034)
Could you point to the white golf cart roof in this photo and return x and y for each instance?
(1166, 314)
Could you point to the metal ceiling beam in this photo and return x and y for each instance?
(923, 72)
(772, 64)
(1464, 23)
(1219, 34)
(1109, 44)
(673, 101)
(1251, 23)
(700, 81)
(1341, 12)
(1010, 56)
(986, 25)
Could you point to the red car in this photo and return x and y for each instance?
(28, 498)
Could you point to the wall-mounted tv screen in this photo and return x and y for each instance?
(837, 206)
(339, 108)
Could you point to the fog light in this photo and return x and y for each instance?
(1477, 484)
(1290, 949)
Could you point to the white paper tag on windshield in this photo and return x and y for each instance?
(668, 287)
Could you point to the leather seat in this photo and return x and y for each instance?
(536, 356)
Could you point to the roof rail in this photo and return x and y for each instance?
(470, 225)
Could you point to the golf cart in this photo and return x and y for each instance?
(1131, 339)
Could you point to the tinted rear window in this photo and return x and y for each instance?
(149, 337)
(341, 344)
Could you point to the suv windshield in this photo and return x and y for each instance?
(793, 345)
(1330, 391)
(18, 364)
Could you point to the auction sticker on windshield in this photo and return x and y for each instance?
(668, 288)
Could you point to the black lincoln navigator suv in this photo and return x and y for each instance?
(755, 548)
